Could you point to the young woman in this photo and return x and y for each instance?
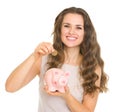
(74, 40)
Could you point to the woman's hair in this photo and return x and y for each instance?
(89, 49)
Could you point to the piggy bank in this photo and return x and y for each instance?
(56, 79)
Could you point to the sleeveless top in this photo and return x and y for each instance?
(48, 103)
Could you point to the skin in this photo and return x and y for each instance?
(72, 34)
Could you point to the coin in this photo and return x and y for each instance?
(54, 53)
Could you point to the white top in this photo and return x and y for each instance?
(48, 103)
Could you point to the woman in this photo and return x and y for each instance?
(74, 40)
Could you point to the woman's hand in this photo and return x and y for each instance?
(57, 93)
(43, 48)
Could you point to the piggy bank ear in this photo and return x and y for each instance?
(67, 74)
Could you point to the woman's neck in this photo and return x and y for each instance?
(72, 56)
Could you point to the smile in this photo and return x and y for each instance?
(71, 38)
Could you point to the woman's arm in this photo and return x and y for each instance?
(88, 104)
(89, 101)
(28, 69)
(23, 74)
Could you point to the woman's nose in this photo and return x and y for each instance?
(71, 31)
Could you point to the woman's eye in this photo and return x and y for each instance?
(79, 28)
(66, 25)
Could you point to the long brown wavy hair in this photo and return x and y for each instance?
(89, 49)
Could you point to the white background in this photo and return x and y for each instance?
(25, 23)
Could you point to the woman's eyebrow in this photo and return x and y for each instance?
(80, 25)
(75, 25)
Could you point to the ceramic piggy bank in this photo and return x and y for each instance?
(56, 79)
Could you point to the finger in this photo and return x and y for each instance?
(42, 48)
(47, 48)
(66, 89)
(54, 93)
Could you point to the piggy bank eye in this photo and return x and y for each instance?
(67, 74)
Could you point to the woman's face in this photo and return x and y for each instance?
(72, 30)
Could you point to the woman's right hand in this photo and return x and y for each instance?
(43, 48)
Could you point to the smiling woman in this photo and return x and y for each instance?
(74, 39)
(72, 30)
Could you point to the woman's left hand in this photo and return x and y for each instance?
(57, 93)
